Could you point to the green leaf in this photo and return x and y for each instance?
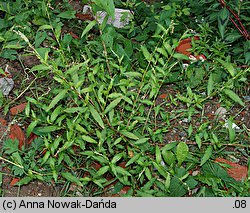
(231, 94)
(122, 171)
(129, 135)
(55, 113)
(56, 99)
(74, 110)
(117, 157)
(45, 27)
(167, 182)
(198, 140)
(168, 157)
(88, 27)
(68, 176)
(74, 68)
(207, 155)
(228, 66)
(133, 159)
(39, 67)
(158, 155)
(231, 131)
(46, 129)
(161, 170)
(13, 46)
(17, 158)
(102, 171)
(112, 105)
(180, 56)
(24, 181)
(10, 146)
(141, 141)
(181, 152)
(223, 17)
(210, 84)
(146, 53)
(170, 146)
(31, 127)
(107, 5)
(96, 116)
(66, 145)
(81, 129)
(43, 53)
(88, 139)
(67, 14)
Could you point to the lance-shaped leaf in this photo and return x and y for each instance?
(223, 18)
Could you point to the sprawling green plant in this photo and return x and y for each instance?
(101, 107)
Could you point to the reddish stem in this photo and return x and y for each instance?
(241, 28)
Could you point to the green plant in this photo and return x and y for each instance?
(97, 120)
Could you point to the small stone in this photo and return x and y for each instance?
(6, 85)
(221, 112)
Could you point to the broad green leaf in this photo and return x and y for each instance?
(13, 46)
(181, 152)
(56, 99)
(74, 68)
(96, 116)
(107, 5)
(39, 67)
(24, 181)
(148, 173)
(231, 94)
(168, 47)
(88, 139)
(99, 182)
(117, 157)
(88, 27)
(170, 146)
(45, 27)
(129, 135)
(67, 14)
(133, 159)
(180, 56)
(198, 140)
(223, 18)
(112, 105)
(81, 129)
(66, 145)
(207, 155)
(146, 53)
(45, 157)
(74, 110)
(71, 178)
(55, 113)
(46, 129)
(228, 66)
(190, 130)
(43, 53)
(158, 155)
(161, 170)
(30, 128)
(122, 171)
(141, 141)
(210, 84)
(99, 94)
(102, 171)
(17, 158)
(231, 130)
(167, 182)
(162, 51)
(168, 157)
